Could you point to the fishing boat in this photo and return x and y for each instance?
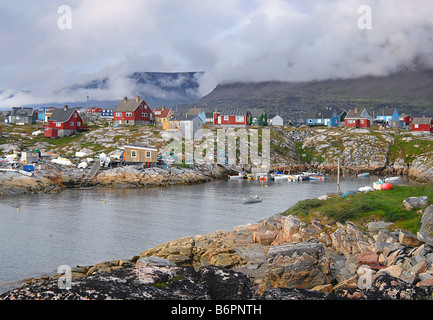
(254, 199)
(316, 178)
(239, 176)
(365, 174)
(279, 176)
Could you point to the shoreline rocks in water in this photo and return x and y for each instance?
(279, 257)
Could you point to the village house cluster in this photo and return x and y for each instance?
(65, 121)
(357, 118)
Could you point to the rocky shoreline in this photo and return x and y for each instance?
(278, 258)
(63, 177)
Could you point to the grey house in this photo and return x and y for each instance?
(22, 115)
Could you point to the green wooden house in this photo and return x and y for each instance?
(258, 117)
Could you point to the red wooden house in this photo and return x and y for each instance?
(422, 124)
(231, 118)
(63, 122)
(132, 112)
(357, 119)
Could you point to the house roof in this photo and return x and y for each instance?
(128, 104)
(325, 114)
(194, 111)
(162, 113)
(183, 117)
(387, 112)
(354, 113)
(22, 111)
(257, 113)
(61, 115)
(422, 120)
(140, 146)
(234, 112)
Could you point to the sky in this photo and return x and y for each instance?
(44, 49)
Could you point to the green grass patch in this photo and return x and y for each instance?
(385, 205)
(408, 150)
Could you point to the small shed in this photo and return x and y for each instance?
(140, 154)
(277, 121)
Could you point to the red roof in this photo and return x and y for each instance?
(162, 113)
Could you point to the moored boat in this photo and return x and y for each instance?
(239, 176)
(254, 199)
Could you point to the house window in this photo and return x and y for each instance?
(118, 114)
(72, 123)
(144, 115)
(416, 126)
(78, 123)
(310, 121)
(239, 119)
(129, 114)
(58, 124)
(147, 154)
(226, 118)
(133, 153)
(75, 115)
(362, 121)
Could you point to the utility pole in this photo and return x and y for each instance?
(338, 177)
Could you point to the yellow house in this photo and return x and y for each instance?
(163, 114)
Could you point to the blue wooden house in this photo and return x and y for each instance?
(335, 119)
(319, 118)
(388, 116)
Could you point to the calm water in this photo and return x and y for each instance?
(76, 227)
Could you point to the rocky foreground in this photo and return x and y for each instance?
(277, 258)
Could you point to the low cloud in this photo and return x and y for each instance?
(230, 40)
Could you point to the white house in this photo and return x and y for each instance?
(277, 121)
(188, 126)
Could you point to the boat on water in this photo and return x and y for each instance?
(254, 199)
(317, 177)
(239, 176)
(392, 179)
(365, 174)
(280, 177)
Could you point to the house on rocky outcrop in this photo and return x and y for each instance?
(231, 118)
(188, 126)
(132, 112)
(357, 119)
(162, 114)
(197, 112)
(63, 122)
(320, 118)
(424, 124)
(258, 117)
(137, 153)
(22, 115)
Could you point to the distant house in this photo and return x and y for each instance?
(107, 113)
(197, 112)
(258, 117)
(405, 120)
(319, 118)
(335, 119)
(162, 114)
(96, 110)
(22, 115)
(357, 119)
(388, 116)
(276, 121)
(231, 118)
(188, 126)
(132, 112)
(140, 154)
(424, 124)
(63, 122)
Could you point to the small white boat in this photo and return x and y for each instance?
(280, 177)
(240, 175)
(254, 199)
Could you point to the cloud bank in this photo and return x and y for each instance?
(230, 40)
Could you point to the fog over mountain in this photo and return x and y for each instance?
(231, 41)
